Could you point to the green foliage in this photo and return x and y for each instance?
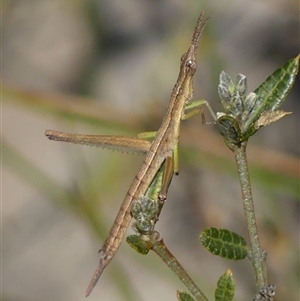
(144, 211)
(225, 287)
(258, 108)
(147, 208)
(224, 243)
(272, 93)
(139, 244)
(230, 130)
(183, 296)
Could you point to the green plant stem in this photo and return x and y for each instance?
(163, 252)
(258, 258)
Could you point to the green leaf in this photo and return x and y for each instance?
(183, 296)
(139, 244)
(144, 211)
(232, 95)
(230, 130)
(271, 93)
(225, 287)
(224, 243)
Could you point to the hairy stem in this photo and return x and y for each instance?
(163, 252)
(258, 257)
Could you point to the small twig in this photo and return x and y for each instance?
(258, 257)
(163, 252)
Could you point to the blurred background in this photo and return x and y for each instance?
(108, 67)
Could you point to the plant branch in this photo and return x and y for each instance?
(258, 257)
(164, 253)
